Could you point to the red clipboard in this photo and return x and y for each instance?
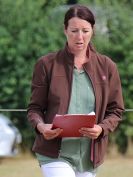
(71, 123)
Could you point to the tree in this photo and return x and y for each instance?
(26, 33)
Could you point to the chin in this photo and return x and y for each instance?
(80, 49)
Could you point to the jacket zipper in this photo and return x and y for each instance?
(70, 88)
(92, 141)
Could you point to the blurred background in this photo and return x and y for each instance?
(30, 29)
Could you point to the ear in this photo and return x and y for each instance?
(93, 31)
(65, 31)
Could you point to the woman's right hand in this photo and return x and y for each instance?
(47, 131)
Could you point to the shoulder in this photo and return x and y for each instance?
(47, 61)
(48, 58)
(105, 61)
(45, 64)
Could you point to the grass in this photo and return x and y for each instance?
(116, 167)
(27, 166)
(21, 166)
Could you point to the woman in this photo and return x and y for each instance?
(74, 80)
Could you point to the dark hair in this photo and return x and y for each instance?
(79, 11)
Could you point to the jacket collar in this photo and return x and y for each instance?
(69, 56)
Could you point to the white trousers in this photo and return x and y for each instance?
(62, 169)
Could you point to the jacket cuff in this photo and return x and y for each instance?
(34, 119)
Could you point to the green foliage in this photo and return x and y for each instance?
(119, 48)
(26, 33)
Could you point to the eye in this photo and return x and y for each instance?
(85, 31)
(74, 31)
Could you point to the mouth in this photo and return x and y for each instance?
(79, 43)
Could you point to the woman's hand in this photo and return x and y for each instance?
(92, 133)
(47, 132)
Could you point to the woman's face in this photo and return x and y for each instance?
(78, 33)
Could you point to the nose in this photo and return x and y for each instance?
(80, 34)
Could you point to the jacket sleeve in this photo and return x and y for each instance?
(115, 105)
(39, 92)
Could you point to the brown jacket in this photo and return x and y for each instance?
(51, 92)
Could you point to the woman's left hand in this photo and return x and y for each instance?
(92, 133)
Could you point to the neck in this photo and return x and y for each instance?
(80, 56)
(79, 53)
(79, 60)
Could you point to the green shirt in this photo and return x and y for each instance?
(76, 151)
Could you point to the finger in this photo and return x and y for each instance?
(91, 137)
(87, 130)
(49, 137)
(89, 134)
(53, 135)
(51, 132)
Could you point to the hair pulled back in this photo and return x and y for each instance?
(81, 12)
